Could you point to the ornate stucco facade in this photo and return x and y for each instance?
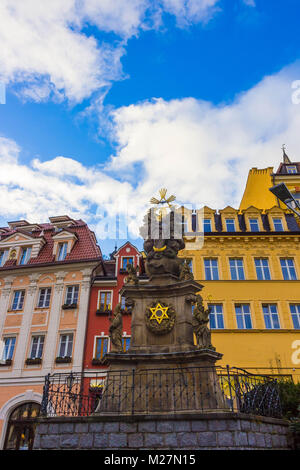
(44, 296)
(249, 263)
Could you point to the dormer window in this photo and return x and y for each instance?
(126, 261)
(278, 227)
(3, 257)
(230, 225)
(291, 169)
(254, 225)
(207, 225)
(25, 255)
(62, 251)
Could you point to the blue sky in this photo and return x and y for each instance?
(106, 102)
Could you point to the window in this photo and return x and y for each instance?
(25, 255)
(207, 225)
(291, 169)
(126, 261)
(62, 251)
(72, 295)
(9, 346)
(211, 269)
(278, 227)
(288, 269)
(262, 269)
(216, 319)
(254, 225)
(44, 297)
(125, 343)
(271, 316)
(101, 347)
(185, 224)
(66, 345)
(37, 344)
(230, 225)
(295, 312)
(105, 300)
(3, 257)
(243, 316)
(18, 300)
(237, 269)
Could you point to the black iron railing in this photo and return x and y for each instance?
(178, 390)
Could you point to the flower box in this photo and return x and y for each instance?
(63, 360)
(69, 306)
(31, 361)
(8, 362)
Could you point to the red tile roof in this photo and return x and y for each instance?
(85, 247)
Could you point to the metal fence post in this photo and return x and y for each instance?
(229, 385)
(45, 398)
(132, 391)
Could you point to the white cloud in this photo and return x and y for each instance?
(200, 152)
(48, 53)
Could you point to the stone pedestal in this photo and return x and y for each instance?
(163, 371)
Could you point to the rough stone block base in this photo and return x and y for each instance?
(210, 431)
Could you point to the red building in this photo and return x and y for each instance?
(104, 296)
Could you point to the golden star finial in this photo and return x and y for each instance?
(159, 313)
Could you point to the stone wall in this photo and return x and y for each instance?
(172, 432)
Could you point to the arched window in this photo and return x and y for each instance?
(21, 427)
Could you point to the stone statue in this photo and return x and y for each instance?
(200, 322)
(185, 272)
(132, 277)
(162, 256)
(116, 330)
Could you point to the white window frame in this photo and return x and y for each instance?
(66, 346)
(281, 224)
(211, 269)
(124, 337)
(40, 345)
(102, 291)
(62, 251)
(27, 251)
(21, 297)
(45, 297)
(4, 355)
(73, 287)
(242, 315)
(295, 314)
(288, 268)
(208, 222)
(3, 257)
(262, 268)
(236, 269)
(95, 345)
(216, 314)
(251, 219)
(234, 224)
(269, 314)
(291, 169)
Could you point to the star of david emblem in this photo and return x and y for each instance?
(159, 313)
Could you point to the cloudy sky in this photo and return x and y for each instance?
(109, 100)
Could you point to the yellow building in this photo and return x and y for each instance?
(249, 263)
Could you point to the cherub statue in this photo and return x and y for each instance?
(116, 330)
(185, 272)
(200, 321)
(132, 277)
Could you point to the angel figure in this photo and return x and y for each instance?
(185, 272)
